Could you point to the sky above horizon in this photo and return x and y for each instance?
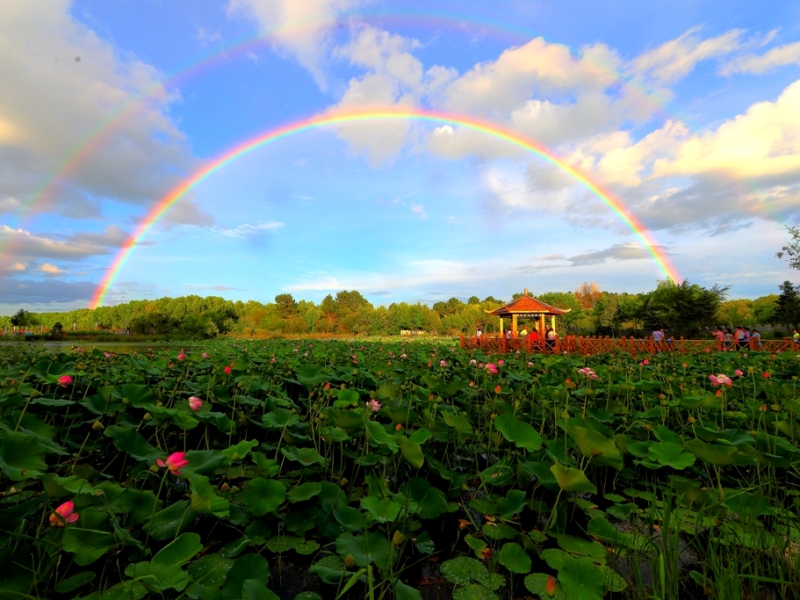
(687, 111)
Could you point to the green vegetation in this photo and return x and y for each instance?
(684, 309)
(351, 469)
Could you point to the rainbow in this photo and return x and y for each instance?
(377, 114)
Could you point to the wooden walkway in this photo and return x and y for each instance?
(601, 345)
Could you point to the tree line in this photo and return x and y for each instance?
(683, 309)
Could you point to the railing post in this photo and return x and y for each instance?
(652, 346)
(683, 346)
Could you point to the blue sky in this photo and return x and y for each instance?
(687, 111)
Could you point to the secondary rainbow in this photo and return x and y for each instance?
(377, 114)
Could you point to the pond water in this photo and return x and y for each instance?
(116, 347)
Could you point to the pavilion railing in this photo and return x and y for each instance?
(599, 345)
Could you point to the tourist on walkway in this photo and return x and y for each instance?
(728, 338)
(756, 337)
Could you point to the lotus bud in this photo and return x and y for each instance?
(97, 426)
(147, 416)
(234, 489)
(236, 456)
(349, 561)
(398, 538)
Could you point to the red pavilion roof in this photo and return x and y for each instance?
(528, 304)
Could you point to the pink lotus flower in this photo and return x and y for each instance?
(442, 363)
(766, 375)
(273, 360)
(721, 379)
(645, 362)
(491, 368)
(195, 403)
(107, 354)
(175, 462)
(373, 405)
(64, 515)
(501, 362)
(227, 369)
(64, 380)
(474, 362)
(205, 354)
(738, 372)
(181, 357)
(588, 373)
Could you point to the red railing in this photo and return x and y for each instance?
(600, 345)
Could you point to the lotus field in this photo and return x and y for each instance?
(381, 469)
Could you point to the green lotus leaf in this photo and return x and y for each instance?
(304, 491)
(514, 558)
(262, 496)
(521, 434)
(572, 480)
(383, 510)
(671, 454)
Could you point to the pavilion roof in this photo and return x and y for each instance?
(528, 304)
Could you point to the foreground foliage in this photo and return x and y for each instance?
(382, 469)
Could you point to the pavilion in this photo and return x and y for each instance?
(527, 307)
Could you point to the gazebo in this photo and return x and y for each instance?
(527, 307)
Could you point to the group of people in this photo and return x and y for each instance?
(550, 334)
(740, 338)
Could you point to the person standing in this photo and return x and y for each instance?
(756, 337)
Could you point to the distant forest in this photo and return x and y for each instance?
(683, 309)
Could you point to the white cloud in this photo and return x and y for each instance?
(51, 270)
(248, 230)
(780, 56)
(60, 81)
(419, 210)
(299, 27)
(207, 37)
(673, 60)
(762, 142)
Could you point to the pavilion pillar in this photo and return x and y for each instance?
(502, 331)
(514, 325)
(552, 321)
(541, 326)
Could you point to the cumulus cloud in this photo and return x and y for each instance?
(762, 142)
(299, 28)
(80, 82)
(393, 77)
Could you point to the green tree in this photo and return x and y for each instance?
(736, 312)
(792, 250)
(681, 308)
(763, 308)
(787, 306)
